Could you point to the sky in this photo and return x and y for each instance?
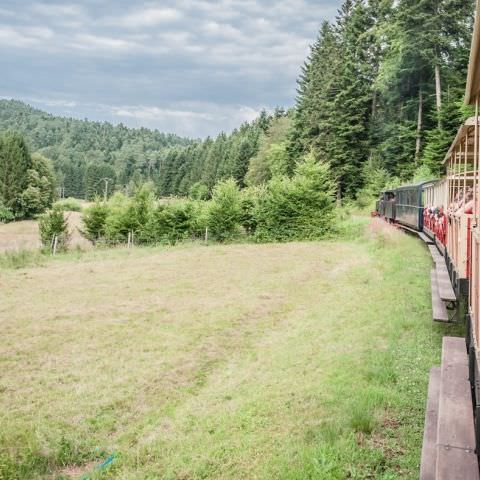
(190, 67)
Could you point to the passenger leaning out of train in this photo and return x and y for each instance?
(441, 225)
(430, 216)
(467, 206)
(440, 213)
(456, 203)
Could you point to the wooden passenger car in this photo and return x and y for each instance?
(461, 164)
(435, 200)
(462, 246)
(471, 157)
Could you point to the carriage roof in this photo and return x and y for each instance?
(462, 132)
(473, 78)
(416, 185)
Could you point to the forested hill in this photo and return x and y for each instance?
(73, 144)
(84, 153)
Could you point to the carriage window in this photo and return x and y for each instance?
(412, 197)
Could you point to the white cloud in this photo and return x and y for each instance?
(14, 37)
(56, 103)
(40, 33)
(190, 119)
(155, 113)
(6, 13)
(149, 17)
(95, 43)
(48, 102)
(58, 9)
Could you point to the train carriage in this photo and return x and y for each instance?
(435, 201)
(410, 205)
(471, 155)
(462, 183)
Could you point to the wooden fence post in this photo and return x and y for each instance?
(130, 240)
(55, 244)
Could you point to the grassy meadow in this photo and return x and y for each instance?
(285, 361)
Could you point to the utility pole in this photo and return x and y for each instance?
(105, 191)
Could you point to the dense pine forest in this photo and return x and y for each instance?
(379, 96)
(383, 88)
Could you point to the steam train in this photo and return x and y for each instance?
(445, 213)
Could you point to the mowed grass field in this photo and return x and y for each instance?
(295, 361)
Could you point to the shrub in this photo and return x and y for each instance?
(375, 179)
(141, 206)
(422, 174)
(51, 224)
(249, 203)
(118, 222)
(168, 223)
(198, 191)
(297, 208)
(69, 205)
(31, 200)
(199, 218)
(16, 259)
(225, 211)
(40, 191)
(94, 221)
(129, 214)
(6, 215)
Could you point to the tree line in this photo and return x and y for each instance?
(284, 209)
(85, 154)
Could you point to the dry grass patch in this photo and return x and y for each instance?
(24, 235)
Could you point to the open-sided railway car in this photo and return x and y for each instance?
(461, 164)
(435, 201)
(448, 211)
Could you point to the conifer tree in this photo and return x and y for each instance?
(15, 162)
(335, 96)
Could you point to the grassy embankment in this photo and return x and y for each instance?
(297, 361)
